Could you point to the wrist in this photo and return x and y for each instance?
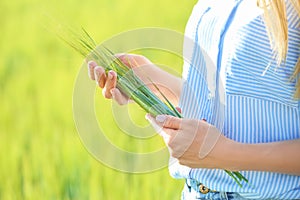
(229, 155)
(242, 156)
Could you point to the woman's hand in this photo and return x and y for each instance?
(108, 81)
(198, 144)
(195, 143)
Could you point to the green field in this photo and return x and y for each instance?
(41, 154)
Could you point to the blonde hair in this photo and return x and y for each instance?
(277, 27)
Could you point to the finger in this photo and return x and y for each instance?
(100, 76)
(170, 132)
(168, 121)
(119, 97)
(91, 67)
(132, 60)
(127, 59)
(111, 82)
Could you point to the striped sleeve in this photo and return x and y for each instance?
(259, 103)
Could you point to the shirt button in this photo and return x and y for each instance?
(209, 96)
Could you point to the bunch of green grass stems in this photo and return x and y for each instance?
(128, 83)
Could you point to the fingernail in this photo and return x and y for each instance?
(147, 117)
(110, 74)
(92, 64)
(161, 118)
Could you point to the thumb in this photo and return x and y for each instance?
(167, 121)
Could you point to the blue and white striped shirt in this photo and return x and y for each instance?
(258, 104)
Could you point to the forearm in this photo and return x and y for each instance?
(281, 157)
(168, 84)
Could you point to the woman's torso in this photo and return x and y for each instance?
(233, 81)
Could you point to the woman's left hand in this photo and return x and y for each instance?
(195, 143)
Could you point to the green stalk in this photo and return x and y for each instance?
(232, 176)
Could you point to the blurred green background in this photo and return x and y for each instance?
(41, 156)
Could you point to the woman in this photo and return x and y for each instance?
(254, 54)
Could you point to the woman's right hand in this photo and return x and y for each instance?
(108, 82)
